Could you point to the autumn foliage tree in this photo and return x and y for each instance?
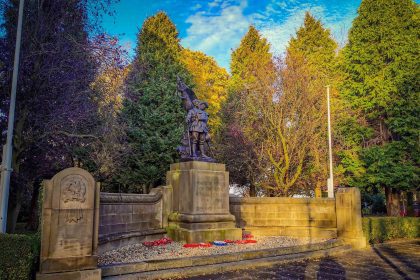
(310, 66)
(289, 122)
(240, 141)
(107, 152)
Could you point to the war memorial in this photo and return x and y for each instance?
(79, 223)
(223, 139)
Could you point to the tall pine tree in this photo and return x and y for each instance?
(381, 66)
(152, 109)
(314, 42)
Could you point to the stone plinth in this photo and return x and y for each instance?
(70, 218)
(349, 219)
(201, 203)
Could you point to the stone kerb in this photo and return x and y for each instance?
(349, 217)
(69, 226)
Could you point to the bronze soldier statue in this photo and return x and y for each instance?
(197, 132)
(197, 119)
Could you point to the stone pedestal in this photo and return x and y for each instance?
(69, 227)
(201, 203)
(349, 218)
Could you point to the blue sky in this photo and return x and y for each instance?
(216, 27)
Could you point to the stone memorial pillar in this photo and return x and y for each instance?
(201, 203)
(349, 217)
(69, 236)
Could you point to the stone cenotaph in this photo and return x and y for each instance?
(69, 227)
(200, 185)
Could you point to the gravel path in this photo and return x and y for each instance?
(139, 252)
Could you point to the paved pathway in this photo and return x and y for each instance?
(395, 260)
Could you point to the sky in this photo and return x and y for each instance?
(216, 27)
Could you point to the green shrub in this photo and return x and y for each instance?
(18, 255)
(380, 229)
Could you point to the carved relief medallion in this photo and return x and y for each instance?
(73, 195)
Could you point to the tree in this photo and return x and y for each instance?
(289, 122)
(312, 53)
(210, 83)
(152, 108)
(106, 153)
(240, 141)
(55, 113)
(381, 66)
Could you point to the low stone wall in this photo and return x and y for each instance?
(300, 217)
(131, 218)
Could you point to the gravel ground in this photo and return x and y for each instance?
(139, 252)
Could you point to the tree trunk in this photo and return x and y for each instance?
(33, 216)
(13, 216)
(252, 191)
(392, 202)
(318, 190)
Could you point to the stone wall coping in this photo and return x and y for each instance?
(278, 200)
(111, 198)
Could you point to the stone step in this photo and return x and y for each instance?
(220, 263)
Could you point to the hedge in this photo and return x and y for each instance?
(380, 229)
(18, 256)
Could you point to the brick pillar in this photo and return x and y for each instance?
(349, 218)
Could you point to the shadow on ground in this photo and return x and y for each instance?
(388, 261)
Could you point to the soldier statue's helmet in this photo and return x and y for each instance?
(204, 103)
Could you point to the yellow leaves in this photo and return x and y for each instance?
(109, 86)
(210, 82)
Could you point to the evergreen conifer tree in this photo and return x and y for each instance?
(381, 66)
(247, 61)
(314, 42)
(152, 109)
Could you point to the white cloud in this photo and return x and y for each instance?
(217, 33)
(279, 33)
(219, 28)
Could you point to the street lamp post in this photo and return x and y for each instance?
(7, 152)
(330, 181)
